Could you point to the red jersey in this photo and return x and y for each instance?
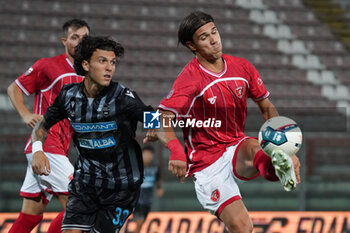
(46, 78)
(203, 95)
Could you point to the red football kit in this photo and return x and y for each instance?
(219, 101)
(46, 78)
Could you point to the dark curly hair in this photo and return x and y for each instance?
(88, 45)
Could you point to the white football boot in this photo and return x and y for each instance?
(284, 169)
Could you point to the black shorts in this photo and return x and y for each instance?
(96, 209)
(141, 212)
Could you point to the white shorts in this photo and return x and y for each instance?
(216, 185)
(47, 186)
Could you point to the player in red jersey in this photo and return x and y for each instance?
(46, 78)
(214, 87)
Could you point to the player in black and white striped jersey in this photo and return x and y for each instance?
(104, 116)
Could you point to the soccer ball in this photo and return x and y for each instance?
(280, 133)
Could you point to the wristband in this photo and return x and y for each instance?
(37, 146)
(176, 150)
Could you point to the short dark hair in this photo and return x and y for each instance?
(74, 23)
(190, 25)
(150, 148)
(88, 45)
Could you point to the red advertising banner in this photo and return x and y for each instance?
(203, 222)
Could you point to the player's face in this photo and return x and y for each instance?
(72, 38)
(207, 42)
(101, 67)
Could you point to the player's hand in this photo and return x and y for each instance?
(40, 164)
(151, 136)
(31, 119)
(178, 168)
(160, 192)
(296, 164)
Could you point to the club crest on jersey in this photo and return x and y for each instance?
(212, 100)
(105, 110)
(239, 91)
(215, 195)
(28, 71)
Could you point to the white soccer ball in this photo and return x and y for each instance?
(280, 133)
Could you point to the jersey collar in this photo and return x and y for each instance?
(218, 75)
(68, 61)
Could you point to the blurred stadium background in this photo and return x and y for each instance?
(300, 48)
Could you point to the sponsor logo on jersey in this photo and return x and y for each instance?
(215, 195)
(239, 91)
(151, 119)
(97, 143)
(28, 71)
(94, 127)
(260, 81)
(212, 100)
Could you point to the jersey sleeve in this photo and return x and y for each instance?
(135, 107)
(57, 111)
(257, 90)
(181, 95)
(32, 80)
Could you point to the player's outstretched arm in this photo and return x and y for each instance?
(267, 109)
(177, 160)
(40, 163)
(16, 96)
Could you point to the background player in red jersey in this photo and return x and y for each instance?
(46, 78)
(216, 86)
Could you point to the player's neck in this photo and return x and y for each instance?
(216, 65)
(91, 88)
(71, 59)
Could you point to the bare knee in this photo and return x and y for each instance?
(236, 218)
(245, 158)
(254, 147)
(240, 226)
(34, 206)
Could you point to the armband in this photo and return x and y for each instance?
(37, 146)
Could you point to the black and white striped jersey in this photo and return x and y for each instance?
(104, 134)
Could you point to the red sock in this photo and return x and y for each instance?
(263, 164)
(56, 224)
(25, 223)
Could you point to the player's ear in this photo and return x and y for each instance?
(64, 40)
(191, 46)
(85, 65)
